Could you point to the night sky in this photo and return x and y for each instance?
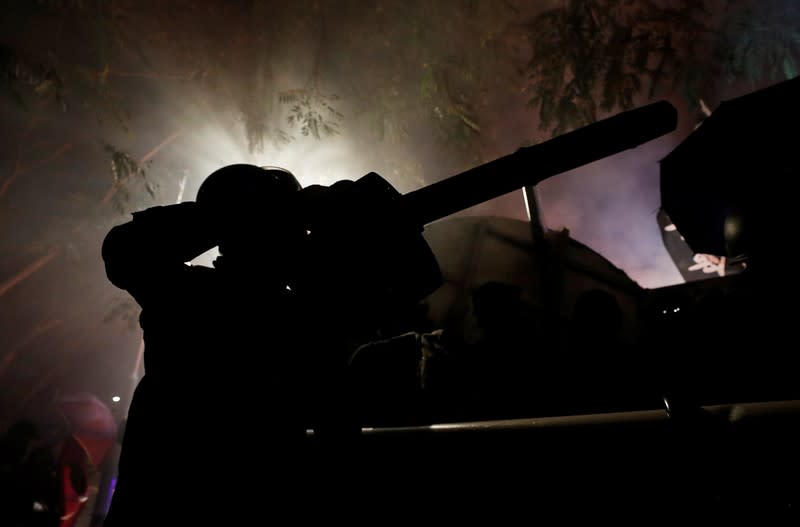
(179, 84)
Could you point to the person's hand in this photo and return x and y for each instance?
(361, 246)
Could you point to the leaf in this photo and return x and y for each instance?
(470, 123)
(288, 96)
(595, 53)
(313, 111)
(789, 69)
(427, 87)
(281, 138)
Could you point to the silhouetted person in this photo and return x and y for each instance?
(420, 377)
(220, 347)
(502, 361)
(410, 378)
(386, 377)
(250, 349)
(28, 484)
(599, 358)
(596, 317)
(73, 472)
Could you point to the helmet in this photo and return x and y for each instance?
(237, 185)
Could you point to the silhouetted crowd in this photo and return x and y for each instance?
(312, 324)
(503, 363)
(29, 486)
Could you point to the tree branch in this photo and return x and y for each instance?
(20, 169)
(147, 157)
(29, 270)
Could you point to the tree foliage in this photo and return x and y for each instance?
(20, 76)
(760, 41)
(236, 55)
(312, 111)
(593, 56)
(125, 169)
(585, 58)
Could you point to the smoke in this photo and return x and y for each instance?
(312, 161)
(217, 141)
(611, 206)
(197, 93)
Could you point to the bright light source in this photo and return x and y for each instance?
(311, 161)
(214, 145)
(676, 310)
(116, 398)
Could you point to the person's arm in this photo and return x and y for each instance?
(145, 254)
(362, 247)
